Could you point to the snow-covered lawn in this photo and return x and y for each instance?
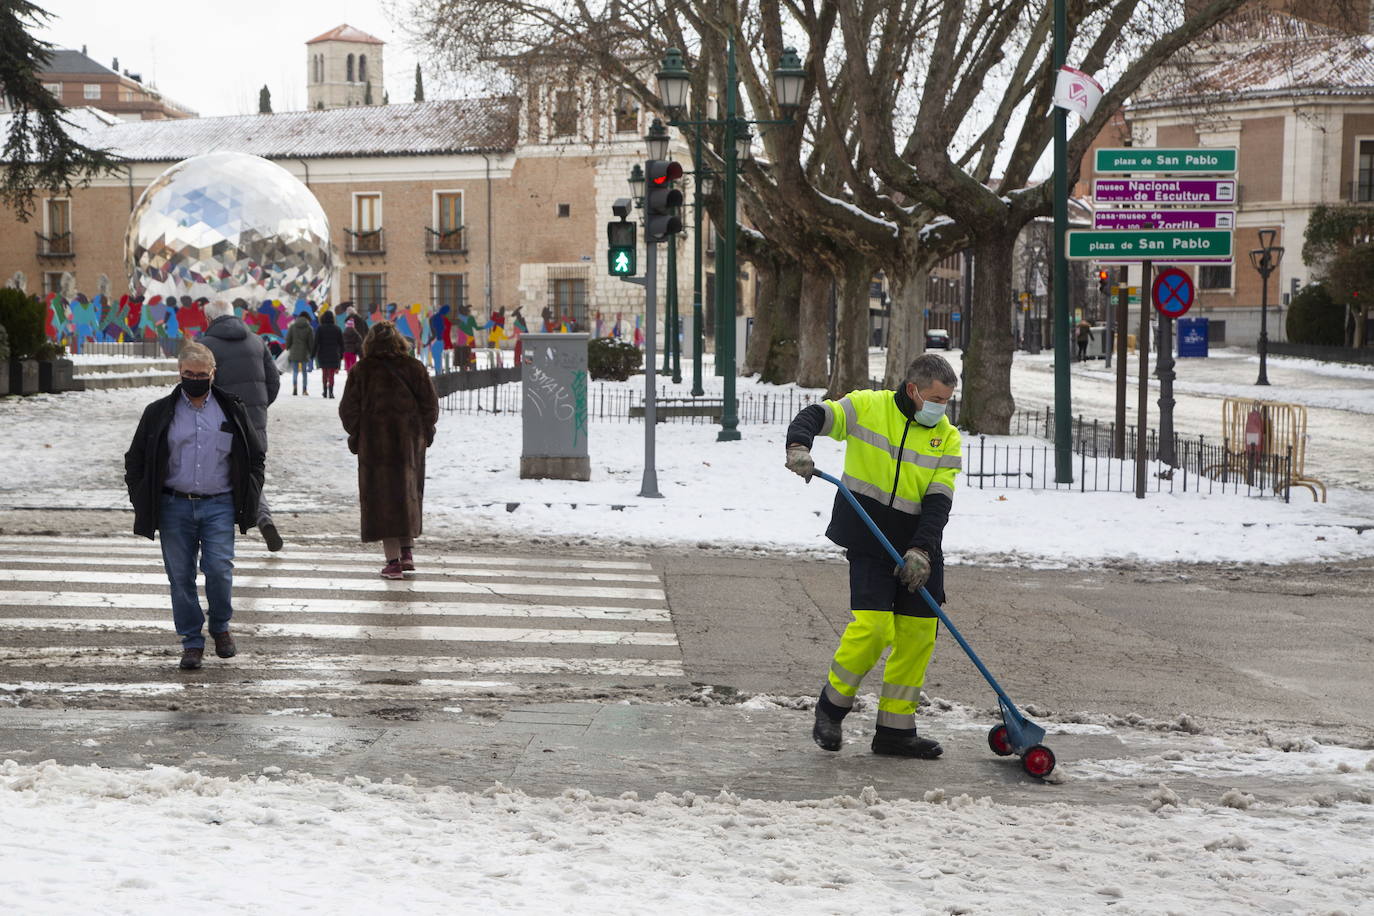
(725, 495)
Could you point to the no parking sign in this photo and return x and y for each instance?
(1172, 292)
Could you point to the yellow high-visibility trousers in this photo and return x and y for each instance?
(870, 632)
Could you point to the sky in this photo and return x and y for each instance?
(214, 56)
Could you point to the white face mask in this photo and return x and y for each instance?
(929, 414)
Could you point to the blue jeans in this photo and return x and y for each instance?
(204, 526)
(302, 371)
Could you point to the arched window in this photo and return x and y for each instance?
(362, 68)
(349, 76)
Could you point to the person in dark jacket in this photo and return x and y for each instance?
(389, 410)
(193, 471)
(244, 367)
(352, 343)
(329, 349)
(901, 458)
(300, 344)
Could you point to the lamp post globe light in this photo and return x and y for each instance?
(789, 79)
(637, 184)
(1265, 259)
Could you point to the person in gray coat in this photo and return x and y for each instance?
(244, 367)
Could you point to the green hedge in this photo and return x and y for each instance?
(23, 318)
(608, 358)
(1314, 318)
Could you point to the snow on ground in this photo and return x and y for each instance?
(726, 495)
(288, 842)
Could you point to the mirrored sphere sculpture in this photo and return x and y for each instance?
(225, 225)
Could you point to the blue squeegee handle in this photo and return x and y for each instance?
(934, 605)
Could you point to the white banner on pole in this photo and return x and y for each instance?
(1077, 92)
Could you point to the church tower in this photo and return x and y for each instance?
(344, 67)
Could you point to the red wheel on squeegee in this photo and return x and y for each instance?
(999, 739)
(1038, 761)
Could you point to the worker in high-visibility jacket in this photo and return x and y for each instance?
(901, 457)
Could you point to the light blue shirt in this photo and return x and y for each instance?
(198, 448)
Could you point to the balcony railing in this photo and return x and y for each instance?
(446, 241)
(1359, 192)
(366, 241)
(57, 245)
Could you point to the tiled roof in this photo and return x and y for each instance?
(346, 33)
(418, 129)
(65, 60)
(1331, 65)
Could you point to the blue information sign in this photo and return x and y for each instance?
(1192, 337)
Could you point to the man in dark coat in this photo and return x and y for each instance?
(244, 367)
(389, 410)
(193, 471)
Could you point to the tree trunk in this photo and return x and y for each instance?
(986, 404)
(761, 337)
(851, 329)
(814, 327)
(906, 339)
(781, 367)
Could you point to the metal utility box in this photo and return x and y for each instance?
(553, 407)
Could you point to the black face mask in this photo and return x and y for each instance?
(195, 387)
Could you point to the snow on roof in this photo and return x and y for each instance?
(1329, 65)
(418, 129)
(346, 32)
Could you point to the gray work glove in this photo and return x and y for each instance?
(799, 462)
(915, 569)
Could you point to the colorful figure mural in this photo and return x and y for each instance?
(443, 336)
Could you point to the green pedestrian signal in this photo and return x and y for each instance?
(621, 257)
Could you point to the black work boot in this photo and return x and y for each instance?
(828, 730)
(901, 742)
(191, 659)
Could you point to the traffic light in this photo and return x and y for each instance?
(661, 199)
(1102, 282)
(621, 260)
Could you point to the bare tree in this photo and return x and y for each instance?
(922, 125)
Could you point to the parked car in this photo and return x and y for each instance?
(937, 339)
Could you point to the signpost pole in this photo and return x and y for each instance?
(648, 486)
(1142, 343)
(1164, 368)
(1123, 301)
(1063, 405)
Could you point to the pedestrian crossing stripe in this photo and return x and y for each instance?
(418, 584)
(344, 568)
(367, 632)
(149, 601)
(142, 546)
(343, 667)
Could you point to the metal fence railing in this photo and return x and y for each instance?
(1200, 467)
(617, 404)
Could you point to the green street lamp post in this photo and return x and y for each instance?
(673, 81)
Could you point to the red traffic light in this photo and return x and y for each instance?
(1101, 275)
(662, 171)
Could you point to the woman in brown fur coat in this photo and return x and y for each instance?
(389, 410)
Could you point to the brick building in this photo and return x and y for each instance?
(1296, 98)
(79, 82)
(495, 202)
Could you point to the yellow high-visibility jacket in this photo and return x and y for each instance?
(901, 472)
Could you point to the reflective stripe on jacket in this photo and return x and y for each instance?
(889, 457)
